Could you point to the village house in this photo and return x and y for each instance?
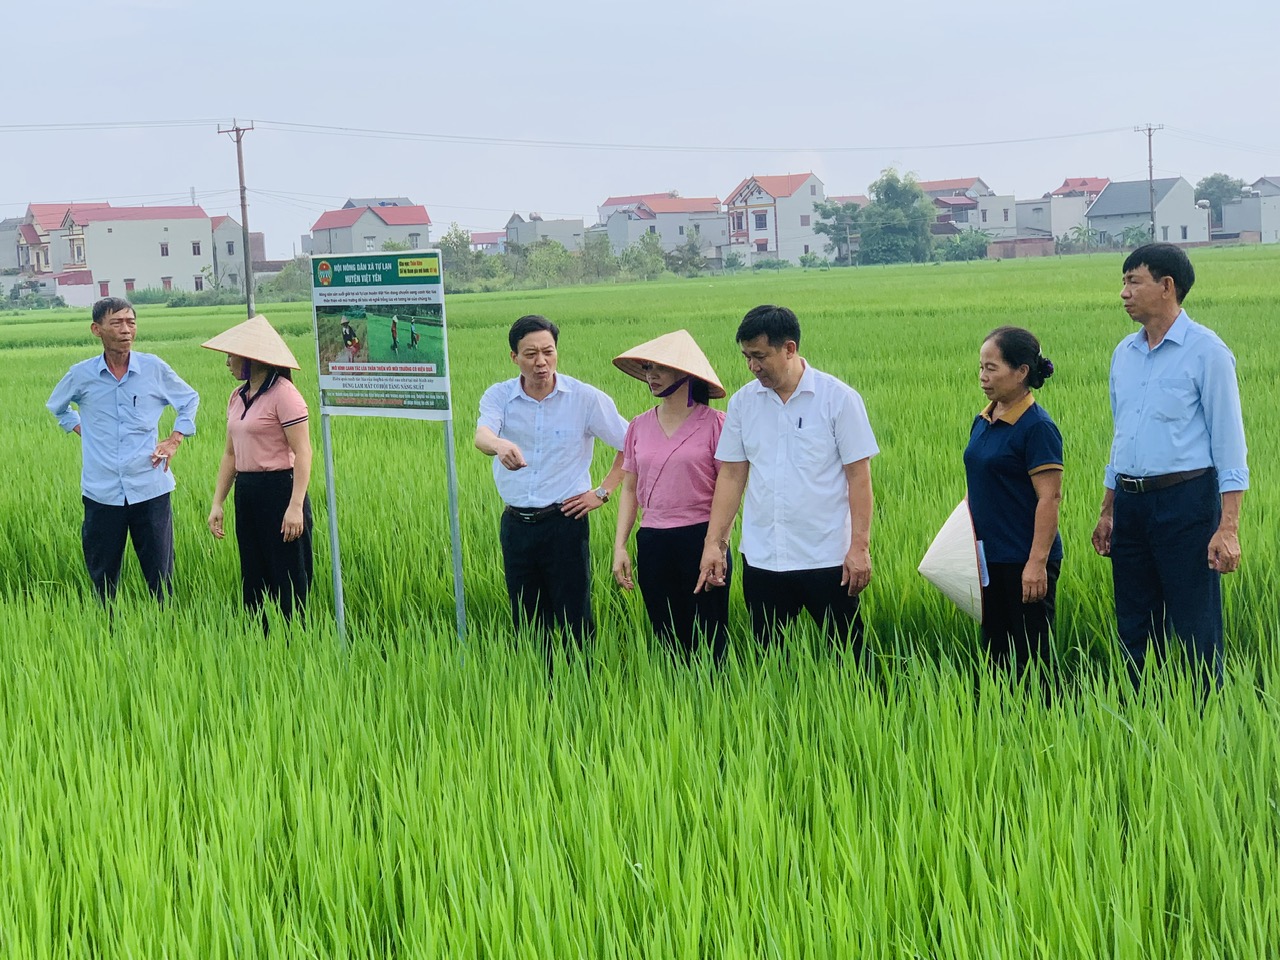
(364, 229)
(967, 203)
(672, 219)
(489, 241)
(1127, 203)
(523, 232)
(773, 217)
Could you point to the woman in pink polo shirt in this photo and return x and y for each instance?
(669, 476)
(268, 459)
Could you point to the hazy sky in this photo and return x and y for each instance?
(725, 89)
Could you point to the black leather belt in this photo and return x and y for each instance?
(1161, 482)
(534, 514)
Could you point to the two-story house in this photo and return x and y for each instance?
(366, 229)
(117, 250)
(772, 216)
(1127, 203)
(673, 219)
(967, 203)
(43, 246)
(566, 232)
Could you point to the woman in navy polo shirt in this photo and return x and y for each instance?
(1013, 466)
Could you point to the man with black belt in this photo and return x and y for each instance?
(540, 429)
(1178, 471)
(125, 479)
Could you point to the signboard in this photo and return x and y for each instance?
(380, 335)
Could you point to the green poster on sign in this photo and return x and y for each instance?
(381, 342)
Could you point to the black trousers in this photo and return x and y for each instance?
(270, 567)
(1164, 588)
(149, 525)
(775, 598)
(548, 571)
(1016, 633)
(667, 567)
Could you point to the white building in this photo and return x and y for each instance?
(1127, 203)
(1254, 218)
(366, 229)
(522, 232)
(133, 248)
(43, 246)
(1053, 216)
(773, 217)
(673, 219)
(969, 204)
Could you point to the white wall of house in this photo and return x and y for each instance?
(78, 294)
(228, 254)
(118, 251)
(1178, 219)
(795, 219)
(1259, 215)
(623, 231)
(565, 232)
(673, 229)
(1050, 216)
(367, 235)
(997, 215)
(9, 246)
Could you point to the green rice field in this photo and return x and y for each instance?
(174, 785)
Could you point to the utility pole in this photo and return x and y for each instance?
(1151, 172)
(237, 133)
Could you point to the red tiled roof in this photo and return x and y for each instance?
(30, 235)
(634, 198)
(489, 236)
(402, 216)
(963, 183)
(49, 216)
(218, 221)
(857, 198)
(116, 214)
(74, 278)
(778, 186)
(1081, 185)
(684, 204)
(391, 216)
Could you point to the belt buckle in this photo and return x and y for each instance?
(1133, 484)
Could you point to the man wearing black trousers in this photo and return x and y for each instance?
(540, 428)
(124, 480)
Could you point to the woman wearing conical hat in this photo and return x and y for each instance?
(669, 478)
(268, 460)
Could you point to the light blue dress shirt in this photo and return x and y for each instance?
(556, 435)
(118, 420)
(1176, 407)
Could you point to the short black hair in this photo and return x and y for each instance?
(1019, 348)
(531, 323)
(1164, 260)
(779, 324)
(109, 305)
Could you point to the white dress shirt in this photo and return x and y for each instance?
(796, 515)
(555, 434)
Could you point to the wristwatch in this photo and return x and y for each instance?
(602, 493)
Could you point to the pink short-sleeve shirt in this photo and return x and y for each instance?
(257, 433)
(676, 475)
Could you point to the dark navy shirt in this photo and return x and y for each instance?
(998, 463)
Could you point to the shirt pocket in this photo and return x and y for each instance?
(813, 449)
(1176, 400)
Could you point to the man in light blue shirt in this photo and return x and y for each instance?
(1170, 515)
(124, 479)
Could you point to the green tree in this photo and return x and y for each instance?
(687, 259)
(1134, 235)
(644, 259)
(813, 261)
(839, 222)
(1218, 188)
(733, 262)
(895, 224)
(970, 245)
(1086, 238)
(391, 246)
(457, 257)
(596, 258)
(550, 264)
(290, 284)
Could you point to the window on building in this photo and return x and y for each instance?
(368, 244)
(682, 230)
(1164, 234)
(164, 249)
(737, 221)
(762, 246)
(652, 228)
(199, 283)
(804, 220)
(128, 285)
(195, 248)
(231, 248)
(984, 216)
(104, 288)
(697, 228)
(813, 189)
(166, 283)
(1184, 233)
(762, 221)
(234, 280)
(806, 248)
(1006, 214)
(415, 240)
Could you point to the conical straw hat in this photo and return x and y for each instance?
(952, 565)
(679, 351)
(255, 339)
